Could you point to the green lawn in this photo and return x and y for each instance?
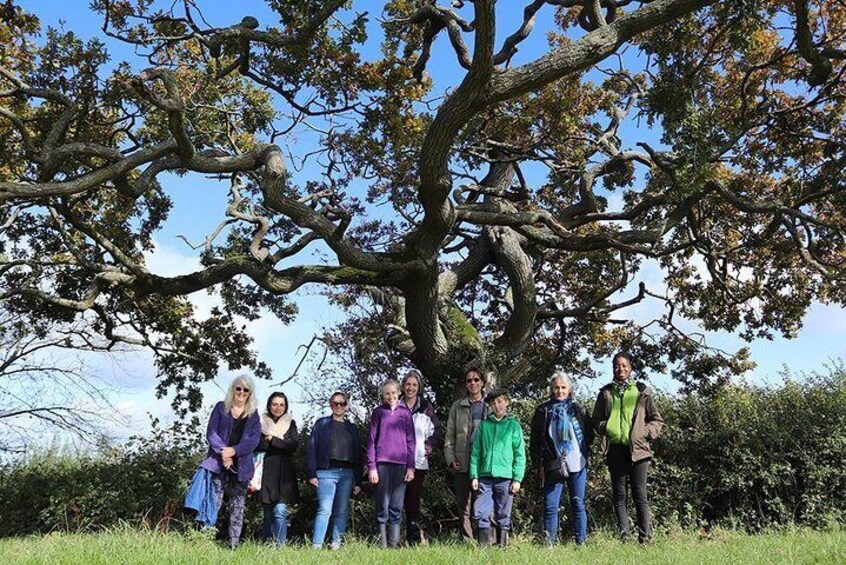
(133, 546)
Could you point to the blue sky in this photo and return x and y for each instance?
(199, 206)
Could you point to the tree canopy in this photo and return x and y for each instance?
(500, 219)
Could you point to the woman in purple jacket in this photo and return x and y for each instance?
(233, 433)
(390, 459)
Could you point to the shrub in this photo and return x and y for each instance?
(756, 456)
(143, 480)
(740, 456)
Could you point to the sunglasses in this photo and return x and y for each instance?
(339, 404)
(473, 380)
(242, 389)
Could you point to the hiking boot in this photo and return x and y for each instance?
(485, 537)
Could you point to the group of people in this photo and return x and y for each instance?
(483, 446)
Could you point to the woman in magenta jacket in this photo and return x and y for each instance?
(390, 460)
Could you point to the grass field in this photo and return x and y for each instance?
(134, 546)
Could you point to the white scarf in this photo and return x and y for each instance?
(275, 429)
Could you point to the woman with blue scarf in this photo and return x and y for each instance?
(559, 446)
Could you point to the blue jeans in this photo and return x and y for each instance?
(334, 487)
(275, 522)
(390, 493)
(494, 497)
(576, 487)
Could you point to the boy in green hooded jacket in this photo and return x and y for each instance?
(497, 466)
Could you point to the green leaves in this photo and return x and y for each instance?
(699, 150)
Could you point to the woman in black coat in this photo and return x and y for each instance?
(279, 440)
(559, 446)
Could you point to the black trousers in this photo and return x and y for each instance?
(413, 494)
(626, 474)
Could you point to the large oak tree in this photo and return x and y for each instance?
(501, 219)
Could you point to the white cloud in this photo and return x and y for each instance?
(134, 374)
(168, 261)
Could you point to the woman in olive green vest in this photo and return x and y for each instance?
(625, 418)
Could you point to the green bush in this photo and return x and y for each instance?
(747, 457)
(145, 480)
(756, 456)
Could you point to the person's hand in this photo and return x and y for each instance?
(474, 484)
(515, 487)
(227, 452)
(356, 490)
(228, 462)
(374, 477)
(456, 466)
(409, 475)
(314, 482)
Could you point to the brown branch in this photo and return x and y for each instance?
(509, 47)
(293, 249)
(820, 66)
(59, 126)
(590, 49)
(751, 206)
(25, 191)
(517, 266)
(303, 358)
(438, 19)
(460, 275)
(435, 179)
(172, 105)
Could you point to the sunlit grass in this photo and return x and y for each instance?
(129, 545)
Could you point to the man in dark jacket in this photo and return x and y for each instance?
(626, 420)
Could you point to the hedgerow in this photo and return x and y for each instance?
(742, 456)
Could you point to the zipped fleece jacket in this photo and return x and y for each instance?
(458, 426)
(392, 437)
(646, 421)
(220, 426)
(498, 449)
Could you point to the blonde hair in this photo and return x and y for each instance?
(244, 381)
(390, 382)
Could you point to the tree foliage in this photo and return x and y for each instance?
(503, 217)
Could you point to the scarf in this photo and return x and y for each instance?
(278, 428)
(564, 427)
(620, 387)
